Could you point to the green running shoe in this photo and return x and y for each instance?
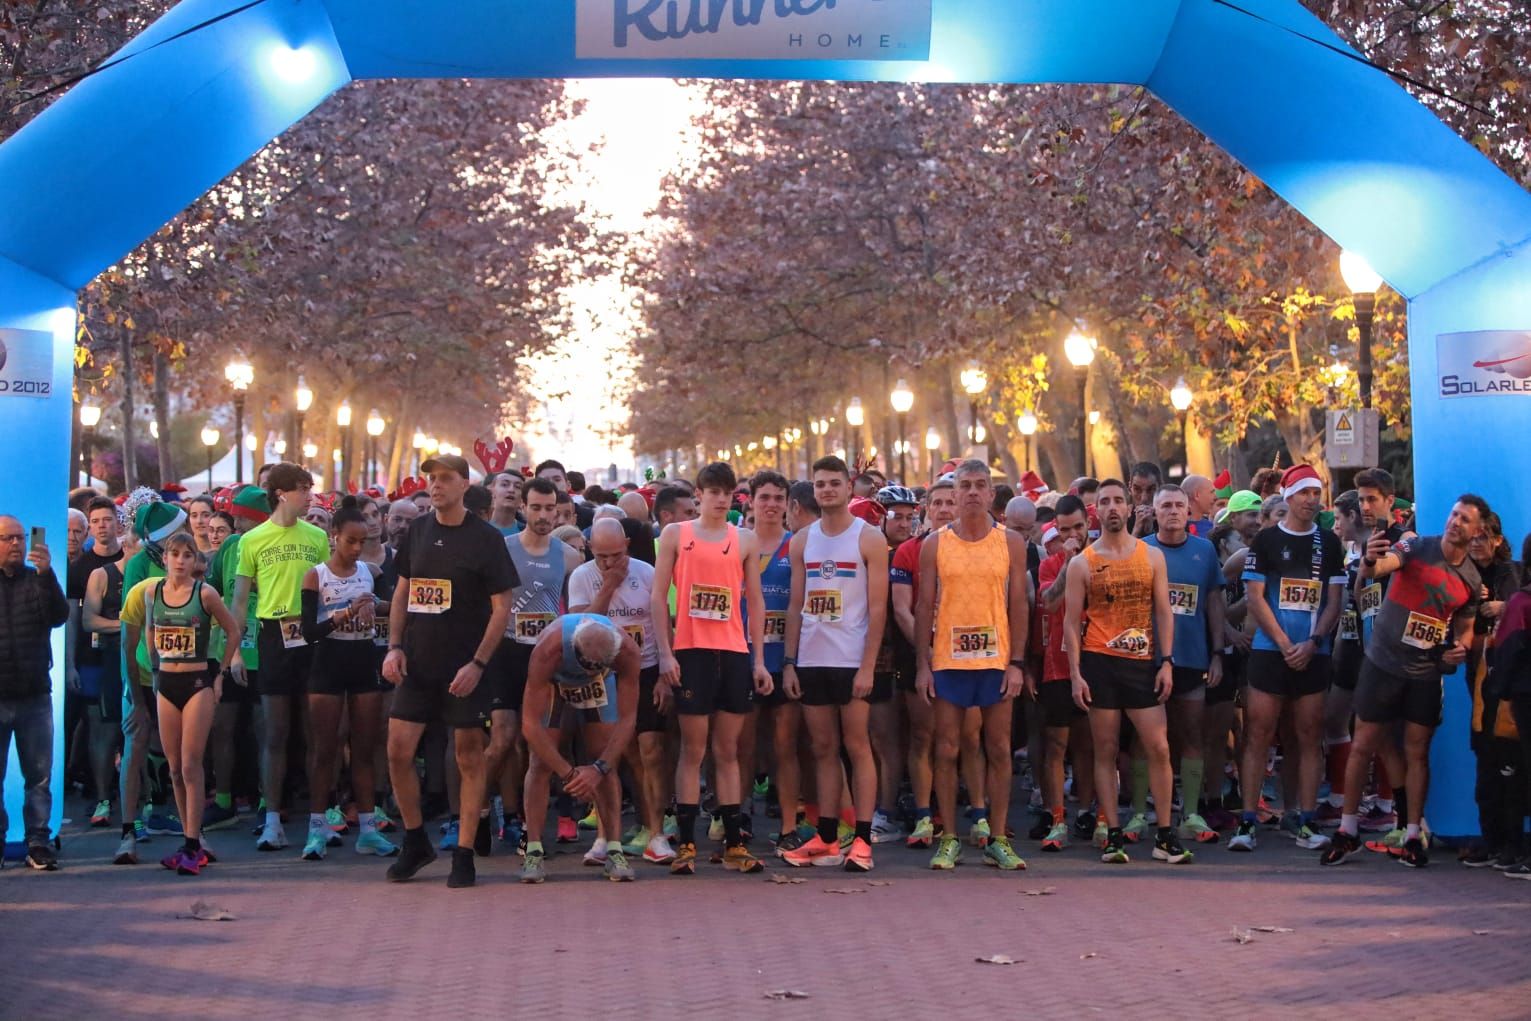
(715, 830)
(1115, 852)
(1001, 855)
(847, 836)
(761, 790)
(335, 819)
(313, 848)
(1101, 832)
(1057, 838)
(616, 867)
(980, 834)
(636, 840)
(531, 866)
(1194, 828)
(948, 854)
(923, 834)
(1135, 828)
(671, 828)
(373, 842)
(591, 821)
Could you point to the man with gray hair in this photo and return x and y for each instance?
(583, 667)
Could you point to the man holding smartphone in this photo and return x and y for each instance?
(32, 604)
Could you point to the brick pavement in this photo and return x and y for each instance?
(1370, 939)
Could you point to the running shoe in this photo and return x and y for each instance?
(761, 791)
(1168, 849)
(1508, 860)
(847, 833)
(658, 850)
(1519, 871)
(1291, 825)
(381, 820)
(272, 837)
(141, 832)
(1084, 825)
(789, 841)
(373, 842)
(314, 846)
(923, 834)
(1101, 834)
(1310, 839)
(102, 816)
(1244, 839)
(532, 870)
(449, 835)
(597, 854)
(127, 851)
(670, 828)
(416, 853)
(1001, 854)
(183, 863)
(1375, 820)
(1391, 844)
(979, 835)
(1194, 827)
(617, 869)
(463, 873)
(1057, 837)
(859, 857)
(1264, 813)
(1040, 827)
(1328, 815)
(335, 819)
(684, 862)
(219, 818)
(568, 832)
(1115, 851)
(815, 852)
(739, 859)
(1135, 828)
(885, 830)
(636, 840)
(1340, 849)
(591, 821)
(514, 833)
(1414, 855)
(162, 825)
(1477, 858)
(205, 856)
(948, 854)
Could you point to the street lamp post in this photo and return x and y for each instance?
(90, 417)
(303, 399)
(902, 399)
(343, 419)
(375, 427)
(209, 440)
(1079, 349)
(1028, 427)
(240, 375)
(1363, 282)
(418, 442)
(855, 415)
(974, 382)
(1090, 467)
(1181, 397)
(932, 447)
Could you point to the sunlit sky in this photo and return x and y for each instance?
(642, 130)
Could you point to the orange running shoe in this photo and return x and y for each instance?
(815, 852)
(859, 857)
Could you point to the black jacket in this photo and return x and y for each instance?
(31, 606)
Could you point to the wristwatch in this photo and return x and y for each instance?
(480, 663)
(602, 767)
(1167, 659)
(1019, 664)
(1227, 650)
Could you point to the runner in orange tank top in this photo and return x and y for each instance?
(1119, 589)
(705, 660)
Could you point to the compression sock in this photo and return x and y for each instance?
(732, 834)
(1401, 803)
(685, 822)
(1140, 789)
(192, 845)
(1191, 771)
(864, 830)
(829, 830)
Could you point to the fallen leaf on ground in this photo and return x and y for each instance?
(781, 880)
(996, 959)
(1243, 935)
(1087, 956)
(846, 889)
(205, 912)
(1270, 928)
(1040, 893)
(786, 994)
(1483, 932)
(879, 882)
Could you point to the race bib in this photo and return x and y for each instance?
(381, 629)
(1133, 643)
(1423, 632)
(430, 595)
(635, 632)
(586, 696)
(1370, 600)
(292, 633)
(824, 605)
(710, 602)
(250, 640)
(1350, 626)
(95, 639)
(1183, 599)
(1299, 594)
(528, 627)
(352, 629)
(975, 643)
(175, 642)
(775, 627)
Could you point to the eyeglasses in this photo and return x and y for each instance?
(11, 538)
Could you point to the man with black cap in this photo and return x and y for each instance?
(447, 618)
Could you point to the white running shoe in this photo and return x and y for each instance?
(272, 837)
(597, 853)
(659, 851)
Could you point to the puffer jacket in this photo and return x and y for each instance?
(31, 606)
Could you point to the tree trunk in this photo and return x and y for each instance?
(129, 460)
(1199, 458)
(167, 468)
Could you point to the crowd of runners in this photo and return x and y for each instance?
(871, 668)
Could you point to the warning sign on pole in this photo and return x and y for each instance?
(1351, 438)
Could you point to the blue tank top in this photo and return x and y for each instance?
(776, 588)
(537, 601)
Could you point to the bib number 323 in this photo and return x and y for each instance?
(430, 595)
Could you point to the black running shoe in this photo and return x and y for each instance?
(1084, 826)
(483, 840)
(1414, 855)
(1340, 849)
(415, 855)
(1167, 848)
(463, 873)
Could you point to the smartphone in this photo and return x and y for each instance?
(39, 536)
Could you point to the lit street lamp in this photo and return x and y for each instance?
(419, 442)
(1181, 397)
(1079, 349)
(1028, 427)
(856, 416)
(932, 445)
(974, 382)
(343, 419)
(90, 417)
(1363, 282)
(375, 427)
(902, 399)
(210, 440)
(303, 399)
(240, 375)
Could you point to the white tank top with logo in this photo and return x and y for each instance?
(336, 593)
(834, 599)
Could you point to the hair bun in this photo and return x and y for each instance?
(349, 502)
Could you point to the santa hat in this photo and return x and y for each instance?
(1049, 535)
(252, 504)
(1297, 478)
(868, 510)
(171, 493)
(157, 521)
(1222, 486)
(1032, 487)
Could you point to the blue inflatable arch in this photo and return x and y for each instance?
(214, 80)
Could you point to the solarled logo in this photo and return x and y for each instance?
(1484, 362)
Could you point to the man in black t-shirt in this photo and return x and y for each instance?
(86, 649)
(446, 619)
